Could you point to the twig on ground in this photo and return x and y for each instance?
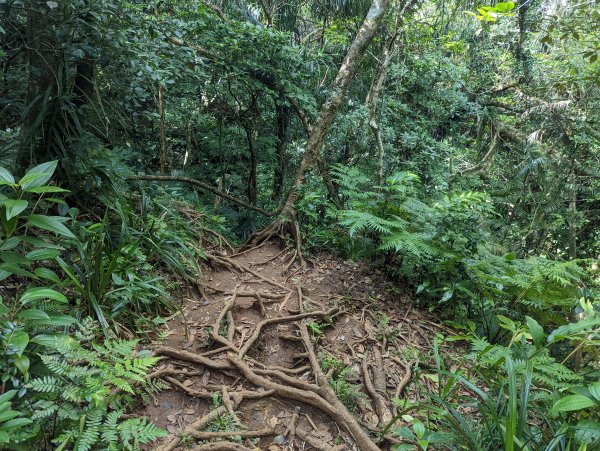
(269, 259)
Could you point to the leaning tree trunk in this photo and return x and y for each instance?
(329, 109)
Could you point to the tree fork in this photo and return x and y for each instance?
(320, 129)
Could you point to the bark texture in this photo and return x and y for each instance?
(344, 77)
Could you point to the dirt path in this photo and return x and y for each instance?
(276, 360)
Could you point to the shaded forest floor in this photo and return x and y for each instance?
(266, 358)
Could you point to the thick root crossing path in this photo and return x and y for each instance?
(275, 355)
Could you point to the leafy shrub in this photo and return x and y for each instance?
(70, 392)
(446, 248)
(514, 396)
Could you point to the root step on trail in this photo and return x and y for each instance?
(249, 364)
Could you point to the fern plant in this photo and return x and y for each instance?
(447, 248)
(77, 400)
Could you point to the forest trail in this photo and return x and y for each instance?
(258, 344)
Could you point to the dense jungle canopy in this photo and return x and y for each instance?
(418, 177)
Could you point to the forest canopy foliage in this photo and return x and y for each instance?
(454, 144)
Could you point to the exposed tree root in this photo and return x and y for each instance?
(405, 379)
(227, 262)
(304, 383)
(383, 413)
(200, 423)
(266, 322)
(202, 435)
(221, 446)
(250, 249)
(187, 390)
(216, 327)
(280, 229)
(337, 411)
(288, 379)
(317, 443)
(290, 431)
(193, 358)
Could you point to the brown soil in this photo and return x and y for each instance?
(375, 331)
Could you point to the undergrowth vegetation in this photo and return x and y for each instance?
(452, 144)
(528, 389)
(74, 283)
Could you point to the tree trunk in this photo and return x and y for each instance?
(251, 186)
(282, 123)
(371, 101)
(572, 220)
(520, 54)
(84, 82)
(164, 158)
(333, 103)
(43, 61)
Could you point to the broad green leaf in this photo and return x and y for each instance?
(11, 243)
(59, 320)
(8, 396)
(40, 243)
(6, 177)
(4, 437)
(51, 223)
(34, 314)
(572, 328)
(38, 175)
(22, 363)
(14, 257)
(18, 342)
(46, 189)
(16, 423)
(4, 274)
(56, 201)
(536, 331)
(419, 428)
(3, 309)
(52, 340)
(35, 294)
(572, 403)
(42, 254)
(13, 207)
(47, 274)
(30, 178)
(14, 268)
(9, 415)
(587, 431)
(595, 390)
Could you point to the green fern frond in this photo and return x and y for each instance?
(46, 384)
